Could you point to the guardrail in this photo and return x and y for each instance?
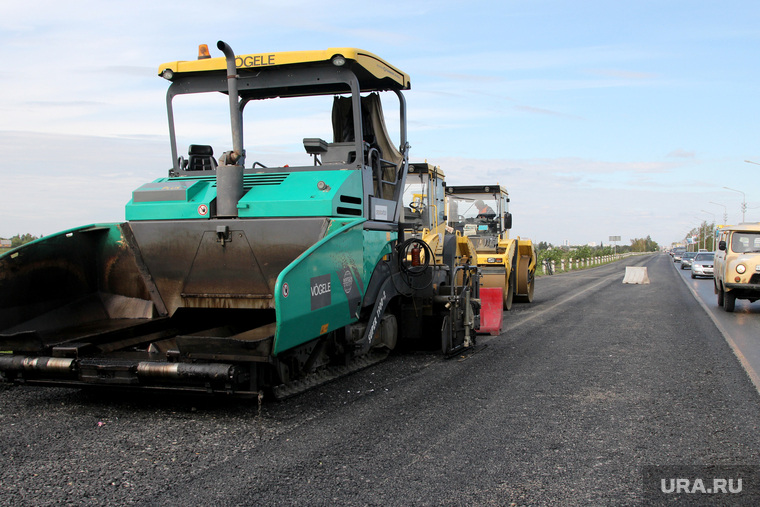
(551, 267)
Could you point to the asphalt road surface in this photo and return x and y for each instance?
(586, 386)
(740, 327)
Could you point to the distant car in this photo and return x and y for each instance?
(677, 254)
(686, 259)
(702, 265)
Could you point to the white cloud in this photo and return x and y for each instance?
(680, 153)
(55, 182)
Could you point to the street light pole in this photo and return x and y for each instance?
(744, 200)
(699, 228)
(725, 211)
(705, 236)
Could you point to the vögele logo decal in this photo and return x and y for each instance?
(320, 292)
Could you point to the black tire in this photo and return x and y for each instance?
(528, 296)
(729, 301)
(719, 292)
(509, 294)
(693, 275)
(389, 331)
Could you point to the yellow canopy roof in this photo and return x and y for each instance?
(370, 66)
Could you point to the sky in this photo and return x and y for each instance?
(602, 118)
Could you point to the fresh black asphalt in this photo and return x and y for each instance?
(588, 385)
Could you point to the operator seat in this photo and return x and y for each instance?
(388, 159)
(201, 158)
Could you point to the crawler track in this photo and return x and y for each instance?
(327, 374)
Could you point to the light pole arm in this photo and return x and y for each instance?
(744, 200)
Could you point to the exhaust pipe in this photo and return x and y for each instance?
(236, 119)
(229, 174)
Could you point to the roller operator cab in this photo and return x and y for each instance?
(236, 272)
(481, 212)
(425, 203)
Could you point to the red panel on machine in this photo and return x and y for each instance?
(491, 312)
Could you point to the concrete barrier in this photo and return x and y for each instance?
(636, 275)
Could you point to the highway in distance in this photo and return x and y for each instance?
(585, 387)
